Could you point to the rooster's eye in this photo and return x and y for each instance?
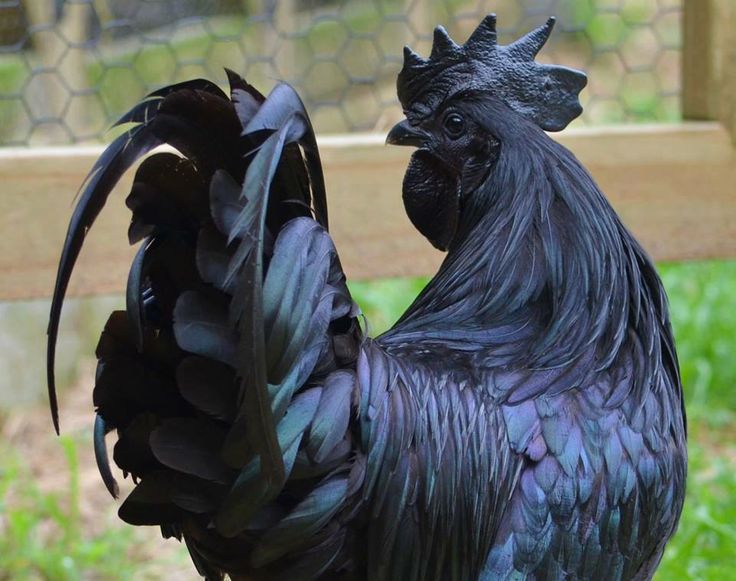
(454, 125)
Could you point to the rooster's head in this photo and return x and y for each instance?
(461, 104)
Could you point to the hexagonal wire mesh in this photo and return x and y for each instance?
(68, 68)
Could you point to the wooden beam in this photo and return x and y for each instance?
(673, 186)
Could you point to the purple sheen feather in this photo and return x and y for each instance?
(393, 507)
(612, 452)
(213, 258)
(305, 520)
(632, 441)
(305, 468)
(282, 393)
(379, 433)
(249, 491)
(226, 203)
(364, 385)
(191, 446)
(620, 391)
(201, 327)
(522, 423)
(537, 448)
(557, 429)
(246, 105)
(298, 417)
(112, 164)
(133, 299)
(141, 113)
(293, 291)
(314, 561)
(330, 422)
(209, 386)
(290, 257)
(282, 103)
(547, 472)
(535, 503)
(248, 495)
(629, 484)
(395, 446)
(570, 456)
(150, 504)
(311, 329)
(585, 487)
(101, 457)
(357, 475)
(379, 384)
(194, 494)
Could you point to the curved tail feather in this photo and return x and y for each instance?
(230, 377)
(151, 131)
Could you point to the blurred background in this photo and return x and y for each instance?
(68, 69)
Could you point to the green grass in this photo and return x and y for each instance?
(383, 301)
(705, 544)
(704, 321)
(42, 535)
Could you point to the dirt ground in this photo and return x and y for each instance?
(30, 433)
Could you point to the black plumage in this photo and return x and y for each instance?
(524, 417)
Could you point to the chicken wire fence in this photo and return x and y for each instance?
(69, 68)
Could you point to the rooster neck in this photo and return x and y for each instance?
(541, 267)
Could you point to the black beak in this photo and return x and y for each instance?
(404, 134)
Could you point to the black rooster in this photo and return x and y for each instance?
(523, 419)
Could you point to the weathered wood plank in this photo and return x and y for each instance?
(675, 187)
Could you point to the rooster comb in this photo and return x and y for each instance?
(544, 94)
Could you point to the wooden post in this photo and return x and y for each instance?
(709, 62)
(727, 25)
(697, 60)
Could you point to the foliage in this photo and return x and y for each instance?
(42, 534)
(703, 317)
(383, 301)
(705, 544)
